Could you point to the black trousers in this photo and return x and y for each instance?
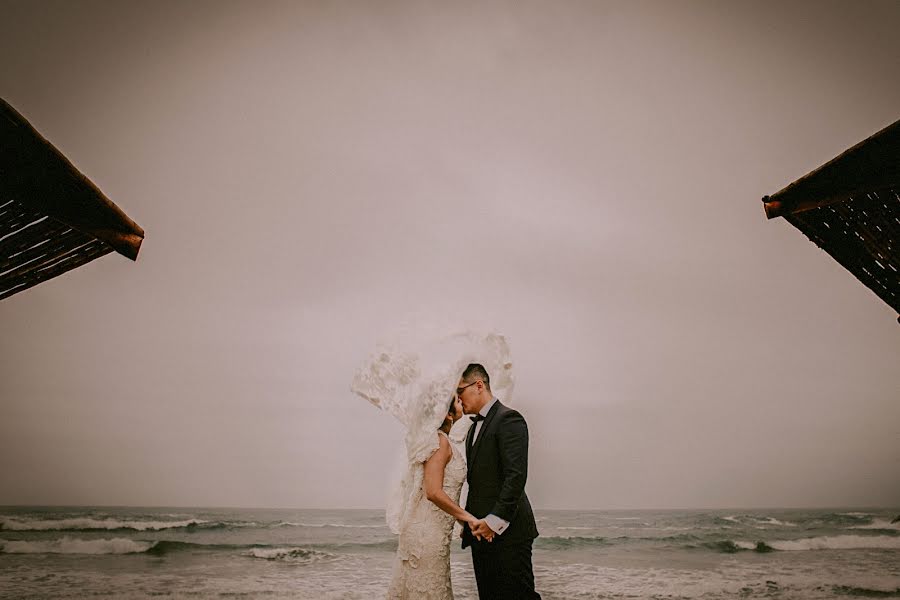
(503, 570)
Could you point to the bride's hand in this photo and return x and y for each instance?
(472, 522)
(482, 531)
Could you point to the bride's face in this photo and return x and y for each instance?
(457, 412)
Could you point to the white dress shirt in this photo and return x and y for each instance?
(497, 524)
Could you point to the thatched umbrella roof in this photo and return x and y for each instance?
(52, 218)
(850, 208)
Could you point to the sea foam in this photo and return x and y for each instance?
(289, 554)
(757, 522)
(338, 525)
(87, 524)
(69, 545)
(838, 542)
(879, 524)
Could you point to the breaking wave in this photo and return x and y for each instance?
(756, 522)
(87, 524)
(882, 524)
(69, 545)
(302, 555)
(318, 525)
(838, 542)
(731, 547)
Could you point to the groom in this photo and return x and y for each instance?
(497, 456)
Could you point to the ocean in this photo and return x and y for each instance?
(131, 553)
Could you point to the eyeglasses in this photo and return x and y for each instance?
(459, 390)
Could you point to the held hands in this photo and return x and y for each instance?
(481, 530)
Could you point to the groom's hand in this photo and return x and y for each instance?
(482, 530)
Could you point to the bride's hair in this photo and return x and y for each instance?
(449, 414)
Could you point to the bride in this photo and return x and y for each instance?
(413, 382)
(422, 568)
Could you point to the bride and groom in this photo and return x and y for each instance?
(497, 521)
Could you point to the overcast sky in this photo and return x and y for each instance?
(585, 177)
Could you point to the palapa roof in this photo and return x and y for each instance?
(52, 218)
(850, 208)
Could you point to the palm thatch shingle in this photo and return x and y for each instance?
(850, 208)
(52, 218)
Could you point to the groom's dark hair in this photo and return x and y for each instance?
(474, 372)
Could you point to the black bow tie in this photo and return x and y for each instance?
(477, 418)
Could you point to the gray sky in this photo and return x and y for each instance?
(585, 177)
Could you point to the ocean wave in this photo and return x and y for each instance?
(731, 519)
(163, 547)
(382, 545)
(685, 540)
(882, 524)
(862, 592)
(171, 546)
(301, 555)
(561, 543)
(839, 542)
(757, 522)
(338, 525)
(843, 519)
(69, 545)
(732, 547)
(776, 522)
(88, 524)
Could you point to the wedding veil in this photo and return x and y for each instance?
(414, 381)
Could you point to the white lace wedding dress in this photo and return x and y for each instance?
(422, 568)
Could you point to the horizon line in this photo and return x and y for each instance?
(536, 509)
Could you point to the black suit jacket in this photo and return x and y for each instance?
(497, 470)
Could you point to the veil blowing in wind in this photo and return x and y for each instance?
(414, 380)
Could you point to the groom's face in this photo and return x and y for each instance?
(469, 394)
